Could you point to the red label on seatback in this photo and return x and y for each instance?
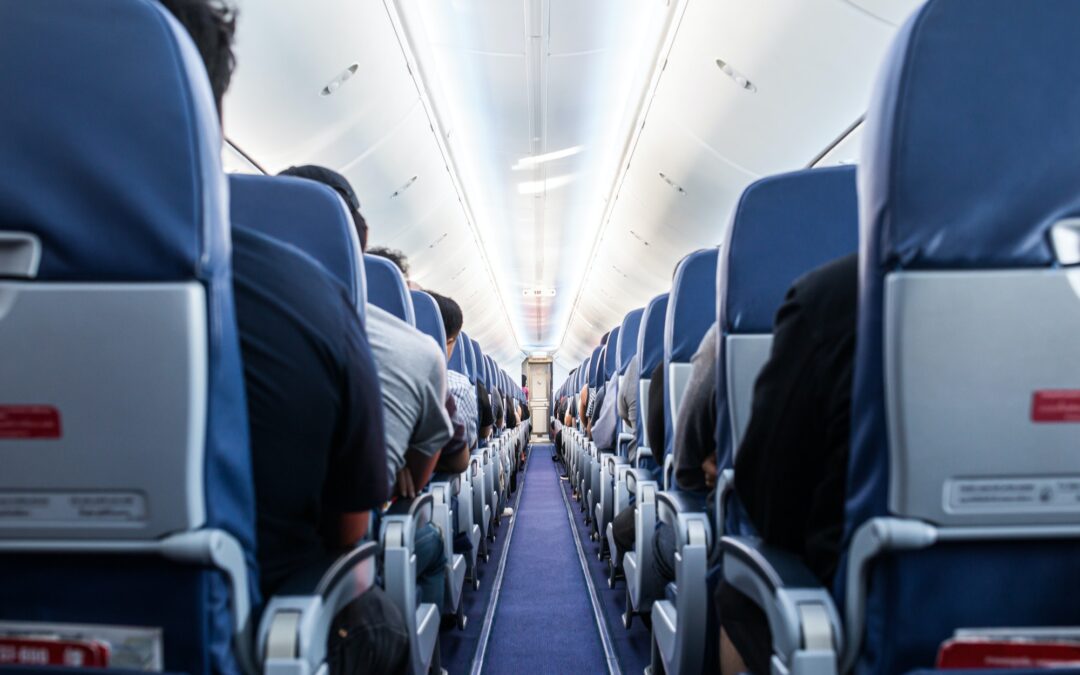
(48, 652)
(29, 421)
(1055, 405)
(982, 653)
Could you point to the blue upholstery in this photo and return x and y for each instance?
(651, 349)
(478, 362)
(651, 334)
(955, 176)
(469, 355)
(596, 367)
(429, 318)
(457, 360)
(628, 338)
(611, 353)
(783, 227)
(110, 155)
(387, 290)
(308, 215)
(691, 311)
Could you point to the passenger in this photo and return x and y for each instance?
(791, 467)
(695, 445)
(313, 407)
(628, 406)
(622, 529)
(416, 423)
(460, 388)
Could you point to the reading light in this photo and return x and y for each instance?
(336, 83)
(739, 78)
(529, 162)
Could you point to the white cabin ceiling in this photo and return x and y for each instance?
(449, 96)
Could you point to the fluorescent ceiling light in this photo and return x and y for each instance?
(533, 160)
(532, 187)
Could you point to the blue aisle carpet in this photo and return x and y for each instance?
(457, 646)
(632, 647)
(544, 621)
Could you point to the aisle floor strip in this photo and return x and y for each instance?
(601, 625)
(493, 603)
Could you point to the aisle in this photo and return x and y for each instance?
(544, 620)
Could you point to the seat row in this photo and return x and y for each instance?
(958, 519)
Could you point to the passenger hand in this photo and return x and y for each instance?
(403, 486)
(708, 467)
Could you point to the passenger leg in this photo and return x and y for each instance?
(430, 565)
(368, 636)
(664, 552)
(622, 529)
(745, 639)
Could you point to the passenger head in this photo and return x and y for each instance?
(341, 185)
(452, 319)
(211, 24)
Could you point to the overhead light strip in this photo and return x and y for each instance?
(644, 105)
(415, 71)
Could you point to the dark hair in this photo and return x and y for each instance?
(341, 185)
(211, 24)
(393, 255)
(451, 314)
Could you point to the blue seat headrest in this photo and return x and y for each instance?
(628, 338)
(111, 156)
(768, 246)
(308, 215)
(387, 289)
(651, 334)
(953, 173)
(692, 307)
(596, 366)
(429, 318)
(478, 363)
(956, 176)
(468, 355)
(457, 360)
(611, 353)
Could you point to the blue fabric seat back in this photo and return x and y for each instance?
(458, 361)
(611, 354)
(783, 227)
(481, 369)
(429, 318)
(691, 311)
(469, 355)
(387, 290)
(596, 367)
(111, 182)
(628, 338)
(651, 349)
(308, 215)
(965, 198)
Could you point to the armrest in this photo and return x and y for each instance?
(685, 513)
(418, 509)
(669, 470)
(613, 461)
(637, 477)
(643, 451)
(295, 625)
(801, 612)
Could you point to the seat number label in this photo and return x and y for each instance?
(71, 508)
(1056, 405)
(29, 421)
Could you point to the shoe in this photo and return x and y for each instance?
(507, 512)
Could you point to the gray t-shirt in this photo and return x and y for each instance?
(696, 424)
(412, 373)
